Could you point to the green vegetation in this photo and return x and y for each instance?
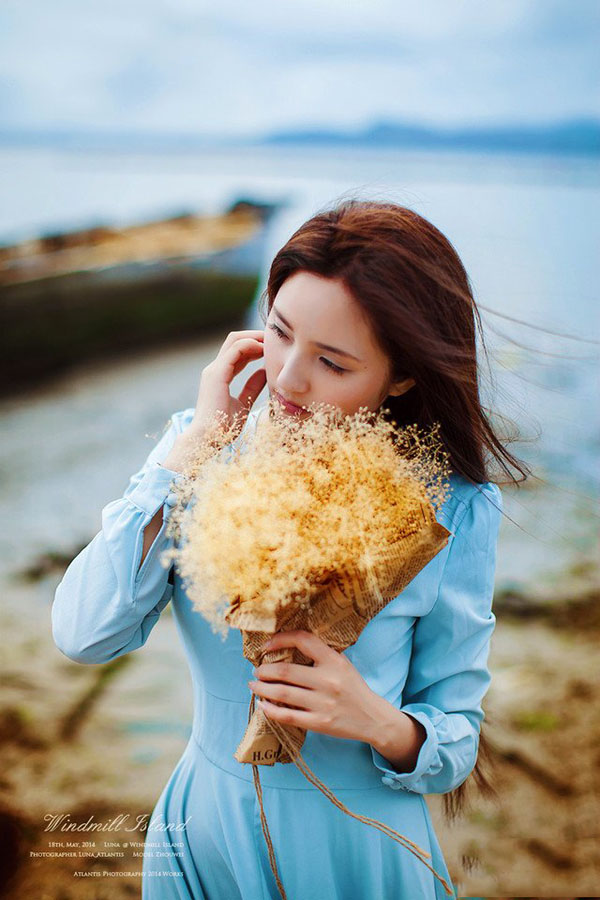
(535, 720)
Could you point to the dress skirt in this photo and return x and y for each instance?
(220, 853)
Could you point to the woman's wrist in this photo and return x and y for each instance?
(398, 737)
(181, 454)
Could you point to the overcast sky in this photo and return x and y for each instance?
(250, 67)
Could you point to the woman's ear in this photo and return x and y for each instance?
(400, 387)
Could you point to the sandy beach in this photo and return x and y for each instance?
(101, 741)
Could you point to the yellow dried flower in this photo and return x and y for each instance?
(269, 518)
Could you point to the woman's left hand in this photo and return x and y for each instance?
(332, 695)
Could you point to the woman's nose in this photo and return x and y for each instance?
(291, 380)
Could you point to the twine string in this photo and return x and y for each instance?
(263, 818)
(280, 733)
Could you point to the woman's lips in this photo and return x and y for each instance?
(291, 407)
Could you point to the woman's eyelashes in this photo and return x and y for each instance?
(331, 366)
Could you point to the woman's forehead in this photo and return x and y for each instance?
(325, 312)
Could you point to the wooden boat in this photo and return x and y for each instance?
(78, 295)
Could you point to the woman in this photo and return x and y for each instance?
(369, 305)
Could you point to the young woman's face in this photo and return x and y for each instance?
(351, 372)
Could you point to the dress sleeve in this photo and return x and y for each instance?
(448, 673)
(106, 604)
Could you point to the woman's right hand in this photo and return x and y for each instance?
(237, 350)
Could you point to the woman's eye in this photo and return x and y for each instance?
(337, 369)
(331, 366)
(276, 329)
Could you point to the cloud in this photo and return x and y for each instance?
(187, 66)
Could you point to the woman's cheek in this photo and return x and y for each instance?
(273, 365)
(269, 356)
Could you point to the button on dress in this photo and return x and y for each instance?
(426, 652)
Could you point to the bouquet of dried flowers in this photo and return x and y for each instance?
(306, 523)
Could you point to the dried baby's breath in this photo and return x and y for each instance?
(267, 517)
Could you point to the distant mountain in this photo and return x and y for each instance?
(575, 136)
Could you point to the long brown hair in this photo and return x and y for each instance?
(409, 280)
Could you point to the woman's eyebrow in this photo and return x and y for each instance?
(323, 346)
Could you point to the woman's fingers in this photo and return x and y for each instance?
(290, 673)
(309, 643)
(237, 350)
(252, 388)
(239, 355)
(297, 697)
(234, 336)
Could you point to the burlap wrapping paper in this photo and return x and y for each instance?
(337, 614)
(340, 607)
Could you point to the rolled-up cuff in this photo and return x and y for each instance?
(408, 781)
(154, 489)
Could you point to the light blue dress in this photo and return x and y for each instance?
(426, 652)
